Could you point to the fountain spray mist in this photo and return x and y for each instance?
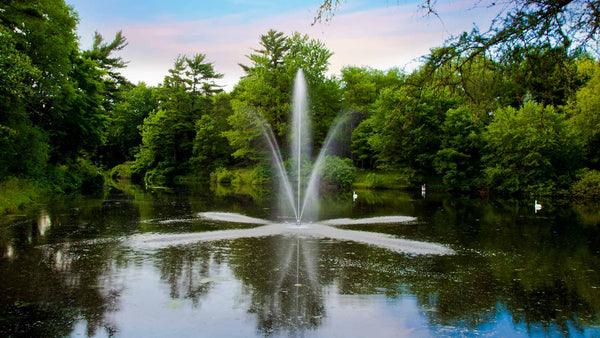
(303, 202)
(301, 136)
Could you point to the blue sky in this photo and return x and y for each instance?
(379, 33)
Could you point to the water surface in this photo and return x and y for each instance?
(75, 267)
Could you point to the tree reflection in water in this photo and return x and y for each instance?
(71, 269)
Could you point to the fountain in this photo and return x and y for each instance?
(302, 201)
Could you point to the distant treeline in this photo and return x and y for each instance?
(521, 120)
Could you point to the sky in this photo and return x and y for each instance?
(381, 34)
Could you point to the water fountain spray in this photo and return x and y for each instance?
(304, 200)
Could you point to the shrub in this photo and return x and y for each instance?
(81, 175)
(15, 193)
(121, 171)
(162, 174)
(221, 175)
(337, 171)
(588, 187)
(260, 175)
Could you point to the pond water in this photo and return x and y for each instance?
(82, 267)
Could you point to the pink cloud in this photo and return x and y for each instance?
(382, 38)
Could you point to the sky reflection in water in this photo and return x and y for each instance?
(162, 265)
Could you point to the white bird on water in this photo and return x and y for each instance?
(537, 206)
(354, 196)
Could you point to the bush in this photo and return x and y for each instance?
(221, 175)
(337, 171)
(90, 176)
(15, 193)
(82, 176)
(121, 171)
(162, 174)
(260, 175)
(588, 188)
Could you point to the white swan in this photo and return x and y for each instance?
(537, 206)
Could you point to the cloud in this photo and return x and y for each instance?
(383, 38)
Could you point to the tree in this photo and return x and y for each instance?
(531, 150)
(459, 157)
(547, 75)
(103, 54)
(275, 46)
(54, 111)
(211, 149)
(128, 114)
(360, 89)
(407, 123)
(23, 147)
(362, 151)
(17, 73)
(584, 109)
(80, 120)
(267, 90)
(169, 132)
(154, 163)
(201, 76)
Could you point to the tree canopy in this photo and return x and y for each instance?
(514, 110)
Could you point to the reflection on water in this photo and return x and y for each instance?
(44, 222)
(69, 268)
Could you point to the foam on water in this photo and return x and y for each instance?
(231, 217)
(371, 220)
(317, 230)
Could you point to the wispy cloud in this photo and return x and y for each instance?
(382, 38)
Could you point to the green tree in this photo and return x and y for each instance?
(459, 159)
(531, 150)
(211, 149)
(361, 86)
(169, 133)
(128, 114)
(584, 109)
(56, 98)
(407, 123)
(154, 162)
(23, 147)
(544, 74)
(104, 54)
(362, 150)
(245, 134)
(267, 90)
(201, 76)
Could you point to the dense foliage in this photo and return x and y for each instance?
(509, 116)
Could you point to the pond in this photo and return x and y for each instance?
(78, 266)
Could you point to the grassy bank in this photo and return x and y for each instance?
(16, 193)
(381, 180)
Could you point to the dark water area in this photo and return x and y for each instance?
(68, 268)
